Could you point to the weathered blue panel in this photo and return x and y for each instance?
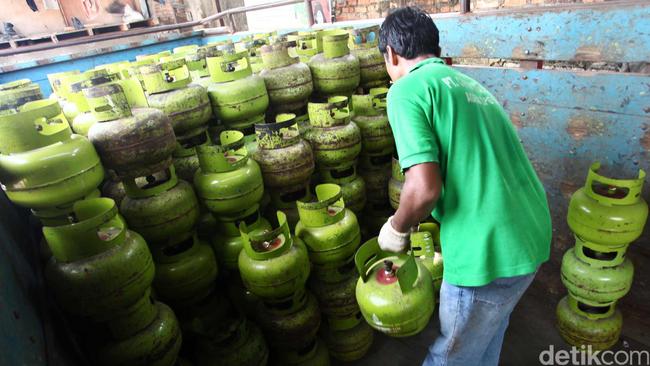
(116, 53)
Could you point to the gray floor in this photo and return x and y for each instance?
(531, 331)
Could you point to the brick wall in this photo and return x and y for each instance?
(171, 12)
(369, 9)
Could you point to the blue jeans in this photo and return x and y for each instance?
(473, 321)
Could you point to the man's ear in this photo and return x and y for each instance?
(391, 55)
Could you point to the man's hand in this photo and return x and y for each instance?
(392, 240)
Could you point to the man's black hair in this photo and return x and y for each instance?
(410, 32)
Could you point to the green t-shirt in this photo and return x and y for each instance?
(493, 213)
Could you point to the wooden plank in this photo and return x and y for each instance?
(63, 36)
(140, 24)
(22, 42)
(108, 28)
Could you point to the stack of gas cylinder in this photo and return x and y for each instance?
(332, 235)
(606, 215)
(230, 192)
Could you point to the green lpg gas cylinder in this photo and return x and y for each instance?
(353, 188)
(273, 264)
(608, 211)
(288, 81)
(284, 199)
(423, 246)
(337, 299)
(239, 98)
(227, 181)
(98, 267)
(593, 284)
(314, 354)
(186, 162)
(42, 164)
(291, 324)
(307, 44)
(60, 215)
(168, 89)
(363, 44)
(330, 231)
(348, 338)
(244, 347)
(333, 137)
(17, 93)
(371, 118)
(335, 71)
(395, 184)
(186, 270)
(156, 345)
(375, 169)
(160, 207)
(394, 291)
(581, 325)
(284, 157)
(76, 104)
(134, 143)
(227, 241)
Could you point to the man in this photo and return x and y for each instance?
(461, 156)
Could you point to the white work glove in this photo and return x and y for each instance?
(392, 240)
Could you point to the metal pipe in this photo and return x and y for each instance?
(310, 12)
(243, 9)
(465, 6)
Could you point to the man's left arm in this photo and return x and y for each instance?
(420, 193)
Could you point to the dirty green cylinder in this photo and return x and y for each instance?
(284, 157)
(133, 143)
(330, 230)
(43, 165)
(596, 285)
(227, 181)
(98, 268)
(284, 199)
(169, 90)
(348, 338)
(371, 118)
(363, 44)
(395, 184)
(337, 299)
(394, 291)
(244, 347)
(335, 71)
(60, 215)
(579, 326)
(288, 81)
(292, 324)
(186, 270)
(353, 188)
(608, 211)
(161, 208)
(156, 345)
(186, 162)
(273, 264)
(375, 169)
(227, 241)
(334, 139)
(239, 98)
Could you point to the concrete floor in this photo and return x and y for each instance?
(531, 331)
